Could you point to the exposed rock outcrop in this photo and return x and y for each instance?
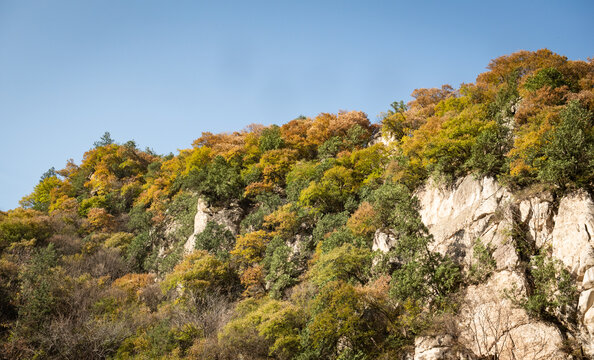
(471, 209)
(435, 347)
(572, 235)
(382, 242)
(537, 214)
(229, 217)
(572, 243)
(489, 323)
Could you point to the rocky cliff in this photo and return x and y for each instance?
(490, 322)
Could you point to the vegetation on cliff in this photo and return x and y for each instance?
(92, 264)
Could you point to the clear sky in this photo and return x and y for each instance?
(162, 72)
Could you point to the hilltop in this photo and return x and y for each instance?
(459, 226)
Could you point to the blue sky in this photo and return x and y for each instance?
(162, 72)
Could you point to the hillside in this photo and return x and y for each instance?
(460, 226)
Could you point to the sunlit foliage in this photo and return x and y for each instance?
(101, 260)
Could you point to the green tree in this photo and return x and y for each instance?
(423, 276)
(450, 148)
(568, 154)
(41, 197)
(394, 122)
(338, 325)
(302, 174)
(327, 223)
(271, 139)
(104, 140)
(280, 268)
(553, 295)
(545, 77)
(330, 147)
(220, 181)
(345, 263)
(332, 192)
(488, 153)
(216, 239)
(49, 173)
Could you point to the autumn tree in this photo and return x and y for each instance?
(198, 274)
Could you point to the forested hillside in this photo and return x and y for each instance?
(102, 259)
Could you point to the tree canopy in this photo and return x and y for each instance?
(101, 259)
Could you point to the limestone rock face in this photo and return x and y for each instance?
(586, 301)
(200, 221)
(472, 209)
(572, 235)
(588, 281)
(382, 242)
(572, 243)
(228, 217)
(445, 211)
(489, 323)
(434, 348)
(589, 320)
(537, 214)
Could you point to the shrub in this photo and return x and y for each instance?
(263, 328)
(138, 251)
(266, 204)
(553, 294)
(216, 239)
(19, 224)
(482, 263)
(281, 270)
(270, 139)
(198, 274)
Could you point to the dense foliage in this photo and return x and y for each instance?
(92, 264)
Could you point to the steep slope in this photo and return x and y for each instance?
(490, 322)
(459, 227)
